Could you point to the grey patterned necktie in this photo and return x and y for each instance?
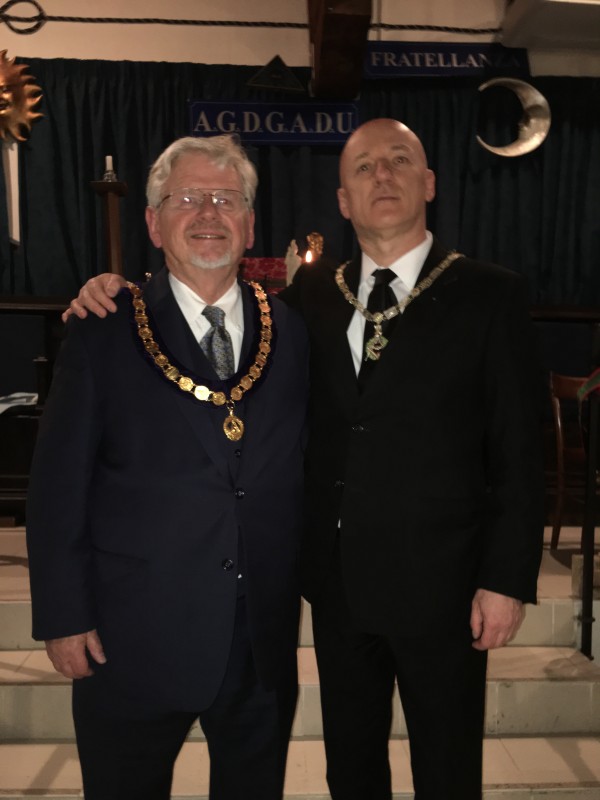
(216, 343)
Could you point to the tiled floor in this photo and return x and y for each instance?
(521, 765)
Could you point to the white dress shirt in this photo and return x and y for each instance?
(192, 306)
(407, 268)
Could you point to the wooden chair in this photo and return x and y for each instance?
(570, 450)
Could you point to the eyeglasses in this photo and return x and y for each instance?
(227, 200)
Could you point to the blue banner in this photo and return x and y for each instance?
(450, 59)
(275, 123)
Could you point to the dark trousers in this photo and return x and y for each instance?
(441, 680)
(247, 730)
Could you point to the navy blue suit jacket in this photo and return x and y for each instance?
(138, 501)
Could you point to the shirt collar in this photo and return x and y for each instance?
(407, 267)
(192, 305)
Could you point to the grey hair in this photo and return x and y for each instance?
(223, 151)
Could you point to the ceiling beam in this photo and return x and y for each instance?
(338, 34)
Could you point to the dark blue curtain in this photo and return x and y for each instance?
(5, 260)
(538, 214)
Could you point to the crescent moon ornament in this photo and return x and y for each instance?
(534, 124)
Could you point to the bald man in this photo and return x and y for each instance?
(423, 526)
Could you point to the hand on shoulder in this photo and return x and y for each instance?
(96, 296)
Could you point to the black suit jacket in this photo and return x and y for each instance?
(435, 470)
(138, 502)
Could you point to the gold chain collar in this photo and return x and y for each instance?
(378, 341)
(233, 426)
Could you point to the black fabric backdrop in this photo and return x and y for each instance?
(538, 214)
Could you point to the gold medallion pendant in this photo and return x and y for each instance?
(233, 427)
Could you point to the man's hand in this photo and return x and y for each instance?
(68, 655)
(495, 619)
(96, 296)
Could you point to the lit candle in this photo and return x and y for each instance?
(315, 247)
(108, 164)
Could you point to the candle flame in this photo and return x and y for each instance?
(308, 257)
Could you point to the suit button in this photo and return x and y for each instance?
(239, 493)
(227, 564)
(358, 429)
(338, 485)
(237, 452)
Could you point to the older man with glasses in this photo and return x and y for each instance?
(164, 507)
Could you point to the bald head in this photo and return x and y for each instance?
(385, 185)
(376, 130)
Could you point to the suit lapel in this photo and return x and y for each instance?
(419, 322)
(205, 419)
(337, 315)
(173, 328)
(255, 406)
(249, 307)
(439, 289)
(246, 408)
(437, 253)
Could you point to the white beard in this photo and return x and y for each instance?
(217, 263)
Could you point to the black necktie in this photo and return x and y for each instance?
(381, 298)
(216, 343)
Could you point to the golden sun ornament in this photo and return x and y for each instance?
(18, 96)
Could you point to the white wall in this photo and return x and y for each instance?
(477, 14)
(243, 45)
(202, 45)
